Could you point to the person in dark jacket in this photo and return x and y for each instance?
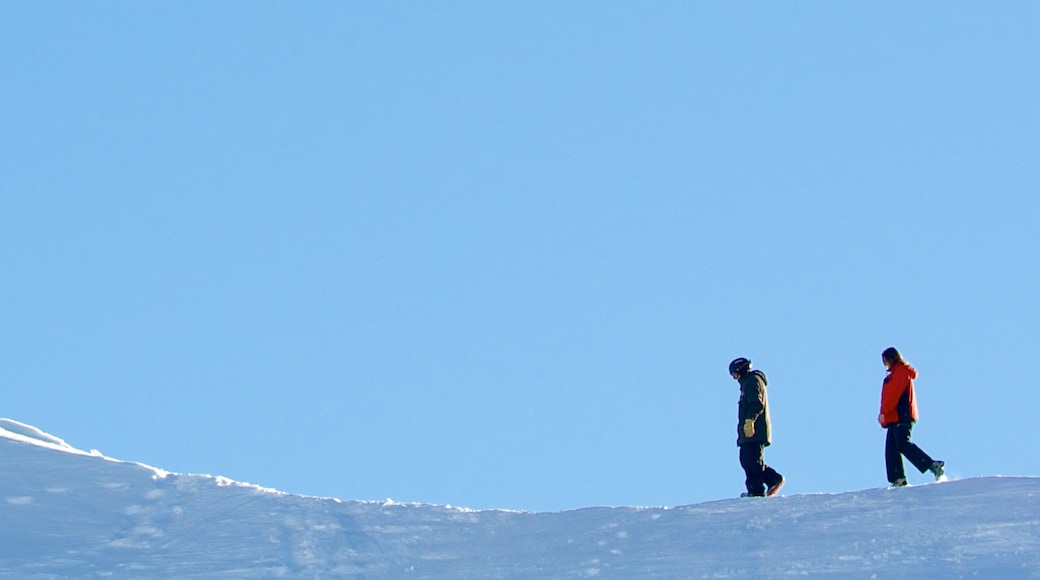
(898, 415)
(753, 430)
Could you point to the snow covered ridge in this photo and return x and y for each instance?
(29, 434)
(73, 514)
(23, 433)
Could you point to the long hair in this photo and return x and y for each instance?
(892, 356)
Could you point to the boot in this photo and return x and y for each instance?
(938, 468)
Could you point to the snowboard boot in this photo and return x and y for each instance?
(775, 488)
(938, 468)
(901, 482)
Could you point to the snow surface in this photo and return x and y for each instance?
(72, 514)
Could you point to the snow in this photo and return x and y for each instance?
(29, 434)
(69, 513)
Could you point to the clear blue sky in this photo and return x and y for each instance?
(499, 255)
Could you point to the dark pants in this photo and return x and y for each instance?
(759, 475)
(897, 445)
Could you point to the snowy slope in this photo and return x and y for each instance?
(68, 513)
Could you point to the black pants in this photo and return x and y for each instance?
(897, 445)
(759, 475)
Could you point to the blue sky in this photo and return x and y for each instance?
(499, 255)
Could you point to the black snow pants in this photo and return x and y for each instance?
(897, 445)
(759, 475)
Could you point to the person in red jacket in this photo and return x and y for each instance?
(898, 415)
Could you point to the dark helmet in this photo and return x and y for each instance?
(740, 366)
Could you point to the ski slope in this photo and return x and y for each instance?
(68, 513)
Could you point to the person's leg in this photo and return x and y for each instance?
(921, 460)
(893, 460)
(751, 461)
(771, 476)
(774, 481)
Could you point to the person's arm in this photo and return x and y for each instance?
(755, 399)
(895, 384)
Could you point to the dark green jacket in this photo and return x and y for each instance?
(754, 405)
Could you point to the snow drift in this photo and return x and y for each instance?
(70, 513)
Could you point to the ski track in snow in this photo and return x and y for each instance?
(72, 514)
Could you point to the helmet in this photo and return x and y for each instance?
(739, 366)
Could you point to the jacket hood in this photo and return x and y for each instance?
(911, 371)
(762, 375)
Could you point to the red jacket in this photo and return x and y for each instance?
(898, 404)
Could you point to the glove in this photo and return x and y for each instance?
(749, 428)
